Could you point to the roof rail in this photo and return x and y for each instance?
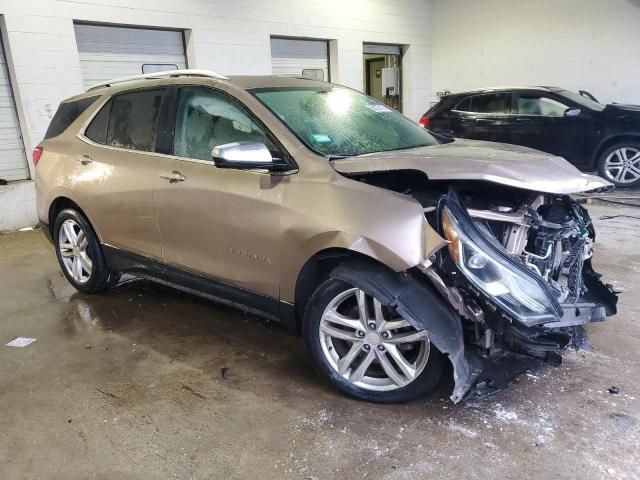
(167, 74)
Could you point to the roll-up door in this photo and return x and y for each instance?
(108, 52)
(300, 57)
(13, 162)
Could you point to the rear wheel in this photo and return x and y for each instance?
(366, 349)
(79, 253)
(620, 164)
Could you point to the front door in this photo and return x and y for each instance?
(541, 122)
(221, 223)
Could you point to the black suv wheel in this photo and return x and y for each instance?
(620, 164)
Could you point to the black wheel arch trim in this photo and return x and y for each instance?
(420, 305)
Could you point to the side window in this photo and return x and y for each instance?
(537, 105)
(464, 105)
(97, 129)
(66, 114)
(206, 119)
(134, 120)
(487, 103)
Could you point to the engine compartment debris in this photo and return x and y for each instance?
(517, 270)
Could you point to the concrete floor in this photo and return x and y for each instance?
(128, 384)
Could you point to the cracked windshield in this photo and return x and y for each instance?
(339, 122)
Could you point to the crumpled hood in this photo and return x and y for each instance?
(511, 165)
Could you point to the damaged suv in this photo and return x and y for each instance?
(393, 251)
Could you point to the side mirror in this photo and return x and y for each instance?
(572, 112)
(242, 156)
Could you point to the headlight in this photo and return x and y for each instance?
(511, 286)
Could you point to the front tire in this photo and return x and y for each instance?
(79, 253)
(620, 164)
(365, 349)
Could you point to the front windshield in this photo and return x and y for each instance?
(582, 100)
(340, 122)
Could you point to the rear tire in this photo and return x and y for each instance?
(79, 253)
(620, 164)
(402, 364)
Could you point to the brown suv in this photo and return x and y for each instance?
(393, 251)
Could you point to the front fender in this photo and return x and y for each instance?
(420, 305)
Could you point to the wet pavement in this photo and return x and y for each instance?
(129, 384)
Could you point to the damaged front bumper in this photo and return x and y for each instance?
(502, 341)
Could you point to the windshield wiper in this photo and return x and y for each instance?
(340, 156)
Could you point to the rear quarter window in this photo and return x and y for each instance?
(67, 113)
(97, 129)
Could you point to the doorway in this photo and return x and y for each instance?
(383, 73)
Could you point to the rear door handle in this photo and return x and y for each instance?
(173, 177)
(84, 159)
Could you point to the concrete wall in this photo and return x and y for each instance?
(17, 206)
(578, 44)
(228, 36)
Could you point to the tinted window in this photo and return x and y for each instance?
(464, 105)
(206, 119)
(537, 105)
(489, 103)
(134, 120)
(97, 129)
(581, 100)
(337, 121)
(66, 114)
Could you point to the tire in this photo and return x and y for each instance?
(329, 354)
(625, 154)
(94, 275)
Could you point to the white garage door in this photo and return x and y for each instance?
(13, 163)
(110, 52)
(300, 57)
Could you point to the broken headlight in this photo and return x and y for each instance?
(512, 287)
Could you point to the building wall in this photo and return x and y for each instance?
(589, 45)
(228, 36)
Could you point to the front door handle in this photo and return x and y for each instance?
(84, 159)
(173, 177)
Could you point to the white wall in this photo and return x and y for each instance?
(228, 36)
(17, 206)
(589, 45)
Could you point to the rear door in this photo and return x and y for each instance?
(117, 169)
(482, 117)
(540, 121)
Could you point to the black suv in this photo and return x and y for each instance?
(571, 125)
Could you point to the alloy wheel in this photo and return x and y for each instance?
(73, 244)
(623, 165)
(369, 344)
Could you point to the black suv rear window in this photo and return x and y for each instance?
(66, 114)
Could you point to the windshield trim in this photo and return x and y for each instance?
(255, 91)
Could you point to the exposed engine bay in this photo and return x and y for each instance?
(517, 270)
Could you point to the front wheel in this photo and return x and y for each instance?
(620, 164)
(365, 349)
